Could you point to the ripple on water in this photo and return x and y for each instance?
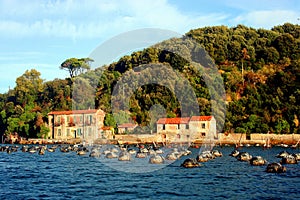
(59, 176)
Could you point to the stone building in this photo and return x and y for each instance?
(126, 128)
(187, 128)
(84, 124)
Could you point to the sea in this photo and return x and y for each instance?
(60, 175)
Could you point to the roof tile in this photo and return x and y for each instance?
(200, 118)
(127, 125)
(70, 112)
(177, 120)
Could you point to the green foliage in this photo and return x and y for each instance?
(28, 87)
(75, 66)
(282, 126)
(110, 120)
(265, 97)
(43, 133)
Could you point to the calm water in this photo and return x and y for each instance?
(66, 175)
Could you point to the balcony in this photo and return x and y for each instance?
(57, 123)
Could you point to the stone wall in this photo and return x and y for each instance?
(258, 138)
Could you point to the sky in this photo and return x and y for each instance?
(41, 34)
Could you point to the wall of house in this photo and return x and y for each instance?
(171, 127)
(86, 126)
(213, 128)
(159, 127)
(200, 128)
(122, 130)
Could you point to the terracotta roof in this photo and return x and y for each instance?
(70, 112)
(105, 128)
(127, 125)
(200, 118)
(177, 120)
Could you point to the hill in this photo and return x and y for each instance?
(260, 71)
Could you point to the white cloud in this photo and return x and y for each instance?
(46, 26)
(21, 55)
(267, 18)
(91, 19)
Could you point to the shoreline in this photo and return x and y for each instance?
(229, 139)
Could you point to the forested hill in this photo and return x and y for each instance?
(260, 70)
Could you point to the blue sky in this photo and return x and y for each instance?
(42, 34)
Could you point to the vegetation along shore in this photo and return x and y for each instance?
(260, 70)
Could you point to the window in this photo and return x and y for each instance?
(68, 119)
(203, 134)
(79, 132)
(164, 127)
(74, 119)
(178, 126)
(178, 136)
(89, 131)
(203, 125)
(58, 132)
(58, 119)
(187, 126)
(68, 132)
(81, 119)
(88, 120)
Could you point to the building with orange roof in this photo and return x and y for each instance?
(84, 124)
(107, 132)
(126, 127)
(187, 128)
(173, 124)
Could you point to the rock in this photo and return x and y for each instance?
(95, 153)
(217, 153)
(200, 158)
(141, 155)
(257, 161)
(244, 156)
(111, 155)
(234, 153)
(282, 154)
(124, 156)
(190, 163)
(275, 168)
(289, 160)
(156, 159)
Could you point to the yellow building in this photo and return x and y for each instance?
(84, 124)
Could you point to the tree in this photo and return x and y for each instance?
(282, 126)
(44, 131)
(28, 87)
(75, 66)
(245, 57)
